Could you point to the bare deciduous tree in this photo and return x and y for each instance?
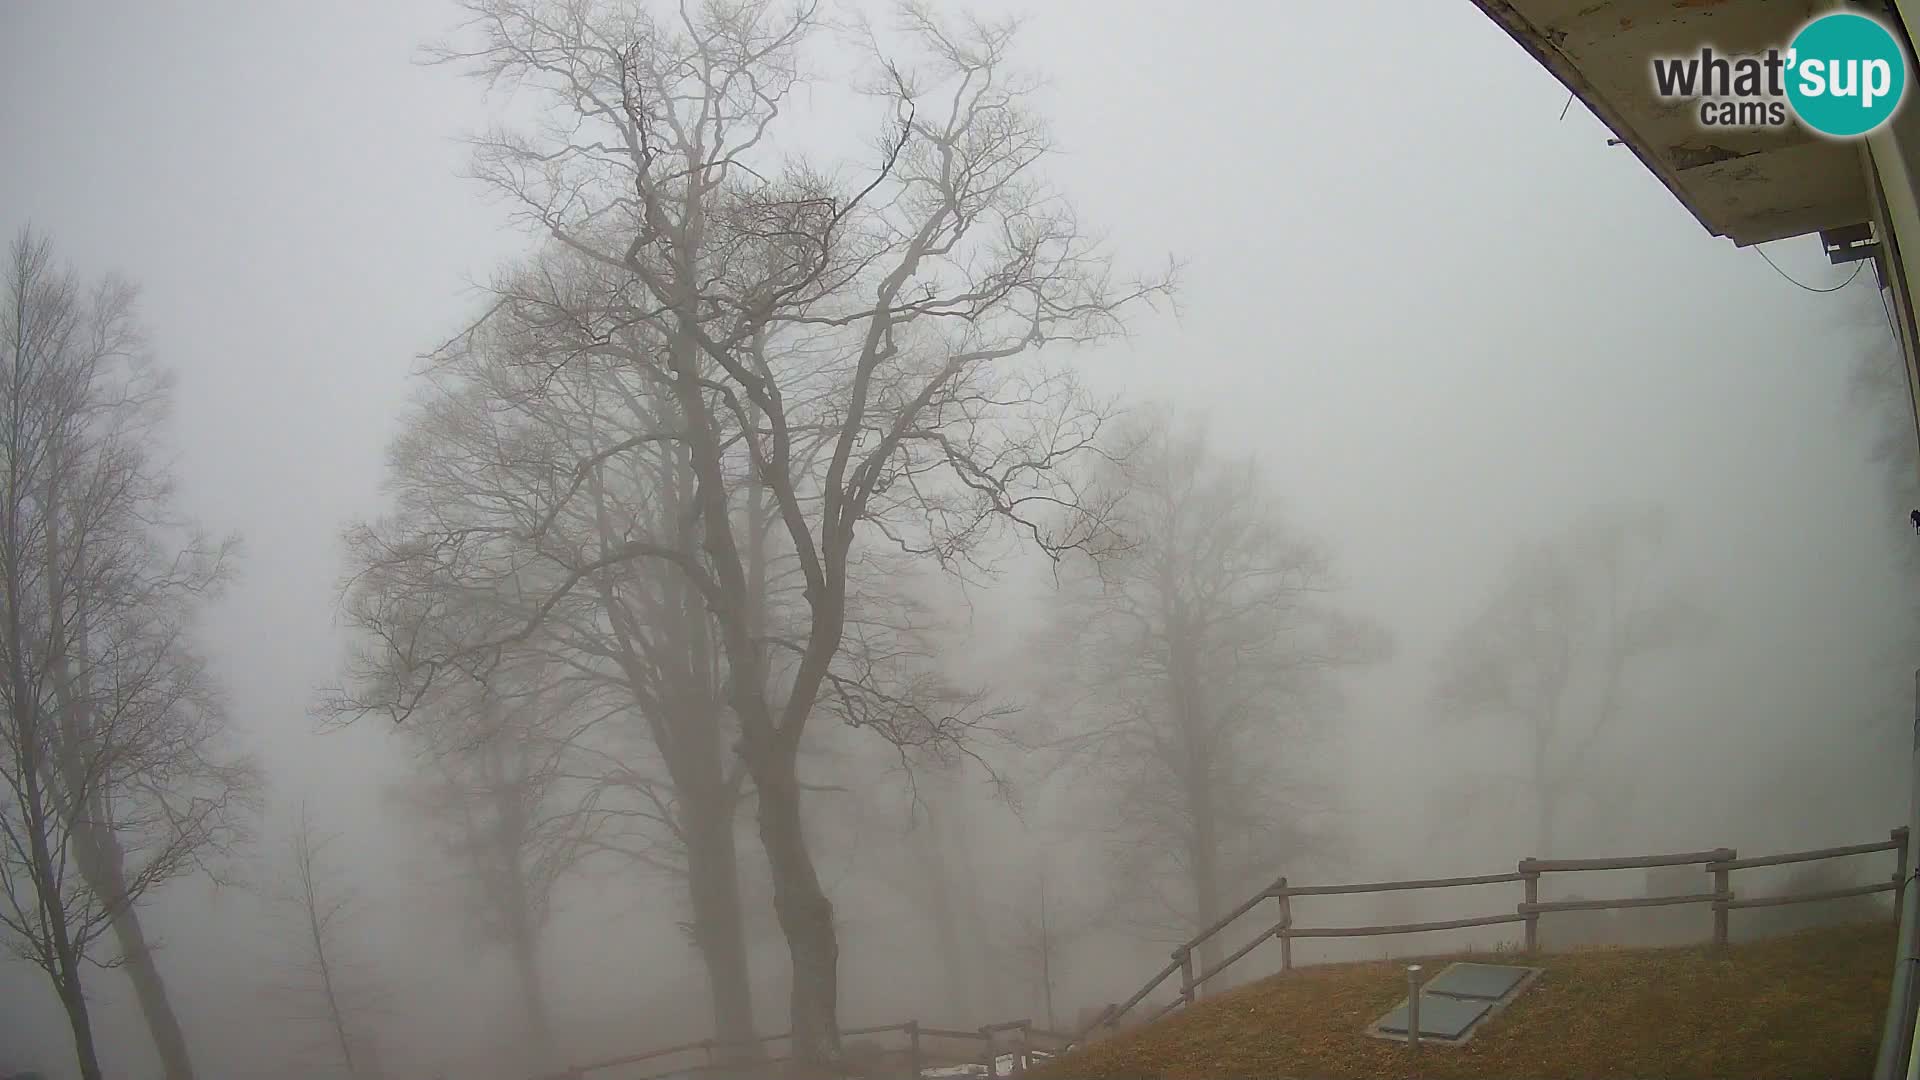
(1041, 927)
(776, 307)
(503, 491)
(494, 782)
(947, 890)
(118, 771)
(1207, 654)
(329, 989)
(1551, 651)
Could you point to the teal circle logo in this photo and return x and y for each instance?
(1846, 74)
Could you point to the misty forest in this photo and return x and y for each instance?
(534, 531)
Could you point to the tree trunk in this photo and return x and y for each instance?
(62, 963)
(1205, 862)
(75, 1002)
(96, 847)
(989, 979)
(67, 960)
(1542, 799)
(335, 1019)
(102, 864)
(533, 998)
(1046, 956)
(64, 959)
(686, 730)
(157, 1009)
(805, 914)
(1186, 702)
(507, 778)
(713, 885)
(956, 966)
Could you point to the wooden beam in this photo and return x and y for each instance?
(1538, 866)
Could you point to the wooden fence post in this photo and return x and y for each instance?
(1723, 889)
(1185, 956)
(913, 1048)
(993, 1059)
(1286, 923)
(1533, 897)
(1900, 873)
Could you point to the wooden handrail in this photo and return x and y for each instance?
(573, 1072)
(1808, 856)
(1392, 886)
(880, 1030)
(1224, 921)
(1718, 861)
(1402, 928)
(949, 1033)
(1139, 996)
(631, 1059)
(1810, 897)
(1240, 954)
(1684, 858)
(1636, 902)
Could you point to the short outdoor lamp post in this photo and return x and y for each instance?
(1413, 1007)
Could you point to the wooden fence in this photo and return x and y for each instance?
(1720, 863)
(1021, 1040)
(1018, 1040)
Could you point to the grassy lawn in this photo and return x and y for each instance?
(1807, 1005)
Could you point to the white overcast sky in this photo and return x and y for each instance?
(1442, 316)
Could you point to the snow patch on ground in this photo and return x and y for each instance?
(1002, 1066)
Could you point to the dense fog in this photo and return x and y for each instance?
(597, 514)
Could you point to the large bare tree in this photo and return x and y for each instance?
(497, 783)
(772, 303)
(1206, 650)
(118, 769)
(1552, 650)
(330, 987)
(504, 491)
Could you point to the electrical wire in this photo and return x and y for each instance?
(1880, 290)
(1906, 372)
(1836, 288)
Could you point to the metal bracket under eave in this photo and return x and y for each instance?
(1850, 243)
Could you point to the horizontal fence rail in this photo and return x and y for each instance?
(1401, 928)
(1609, 905)
(1720, 863)
(1395, 886)
(1636, 862)
(1027, 1041)
(1894, 844)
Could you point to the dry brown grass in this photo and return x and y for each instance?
(1804, 1006)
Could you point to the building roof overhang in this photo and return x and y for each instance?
(1748, 185)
